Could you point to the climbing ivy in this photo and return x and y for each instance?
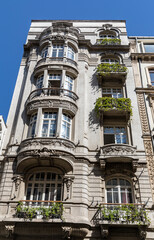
(109, 41)
(107, 68)
(128, 213)
(53, 211)
(109, 103)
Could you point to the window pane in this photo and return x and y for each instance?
(108, 139)
(109, 197)
(152, 77)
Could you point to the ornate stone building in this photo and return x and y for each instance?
(77, 159)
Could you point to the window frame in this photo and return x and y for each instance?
(119, 188)
(151, 81)
(39, 81)
(111, 93)
(32, 124)
(44, 52)
(71, 52)
(49, 124)
(110, 60)
(148, 44)
(58, 49)
(115, 139)
(67, 124)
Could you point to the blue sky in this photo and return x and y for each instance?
(16, 16)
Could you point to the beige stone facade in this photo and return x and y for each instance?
(77, 158)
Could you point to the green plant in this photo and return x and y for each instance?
(54, 211)
(107, 68)
(109, 41)
(108, 103)
(128, 213)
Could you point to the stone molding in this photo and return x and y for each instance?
(52, 102)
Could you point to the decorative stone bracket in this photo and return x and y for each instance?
(17, 181)
(104, 231)
(9, 229)
(68, 181)
(69, 232)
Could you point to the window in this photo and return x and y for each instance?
(119, 191)
(68, 84)
(32, 126)
(44, 52)
(149, 48)
(108, 36)
(109, 60)
(70, 53)
(54, 80)
(151, 72)
(58, 50)
(112, 92)
(66, 126)
(115, 135)
(39, 82)
(45, 186)
(49, 124)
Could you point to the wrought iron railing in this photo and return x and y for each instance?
(30, 209)
(121, 214)
(52, 92)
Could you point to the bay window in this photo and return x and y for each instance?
(49, 124)
(118, 190)
(58, 50)
(66, 126)
(32, 125)
(115, 135)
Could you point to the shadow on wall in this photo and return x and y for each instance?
(94, 82)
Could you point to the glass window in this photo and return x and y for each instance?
(115, 135)
(54, 80)
(68, 84)
(108, 36)
(45, 186)
(58, 50)
(151, 72)
(112, 92)
(70, 53)
(109, 60)
(39, 82)
(49, 124)
(32, 126)
(66, 126)
(149, 48)
(44, 52)
(119, 191)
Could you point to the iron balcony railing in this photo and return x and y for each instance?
(30, 209)
(52, 92)
(109, 213)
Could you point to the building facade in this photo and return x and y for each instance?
(75, 161)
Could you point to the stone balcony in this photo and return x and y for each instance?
(57, 63)
(114, 153)
(52, 97)
(44, 151)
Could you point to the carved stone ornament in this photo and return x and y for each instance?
(118, 150)
(59, 37)
(102, 163)
(17, 180)
(45, 152)
(107, 26)
(142, 233)
(104, 231)
(66, 232)
(68, 181)
(9, 231)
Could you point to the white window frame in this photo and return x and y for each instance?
(67, 124)
(151, 81)
(112, 92)
(68, 83)
(49, 123)
(70, 53)
(119, 188)
(109, 60)
(32, 125)
(152, 44)
(58, 48)
(42, 185)
(115, 133)
(44, 52)
(39, 81)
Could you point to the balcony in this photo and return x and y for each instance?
(121, 214)
(109, 41)
(114, 70)
(46, 210)
(60, 97)
(44, 151)
(56, 62)
(114, 106)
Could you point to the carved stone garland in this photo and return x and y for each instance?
(146, 139)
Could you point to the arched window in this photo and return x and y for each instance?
(44, 52)
(119, 191)
(71, 53)
(45, 186)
